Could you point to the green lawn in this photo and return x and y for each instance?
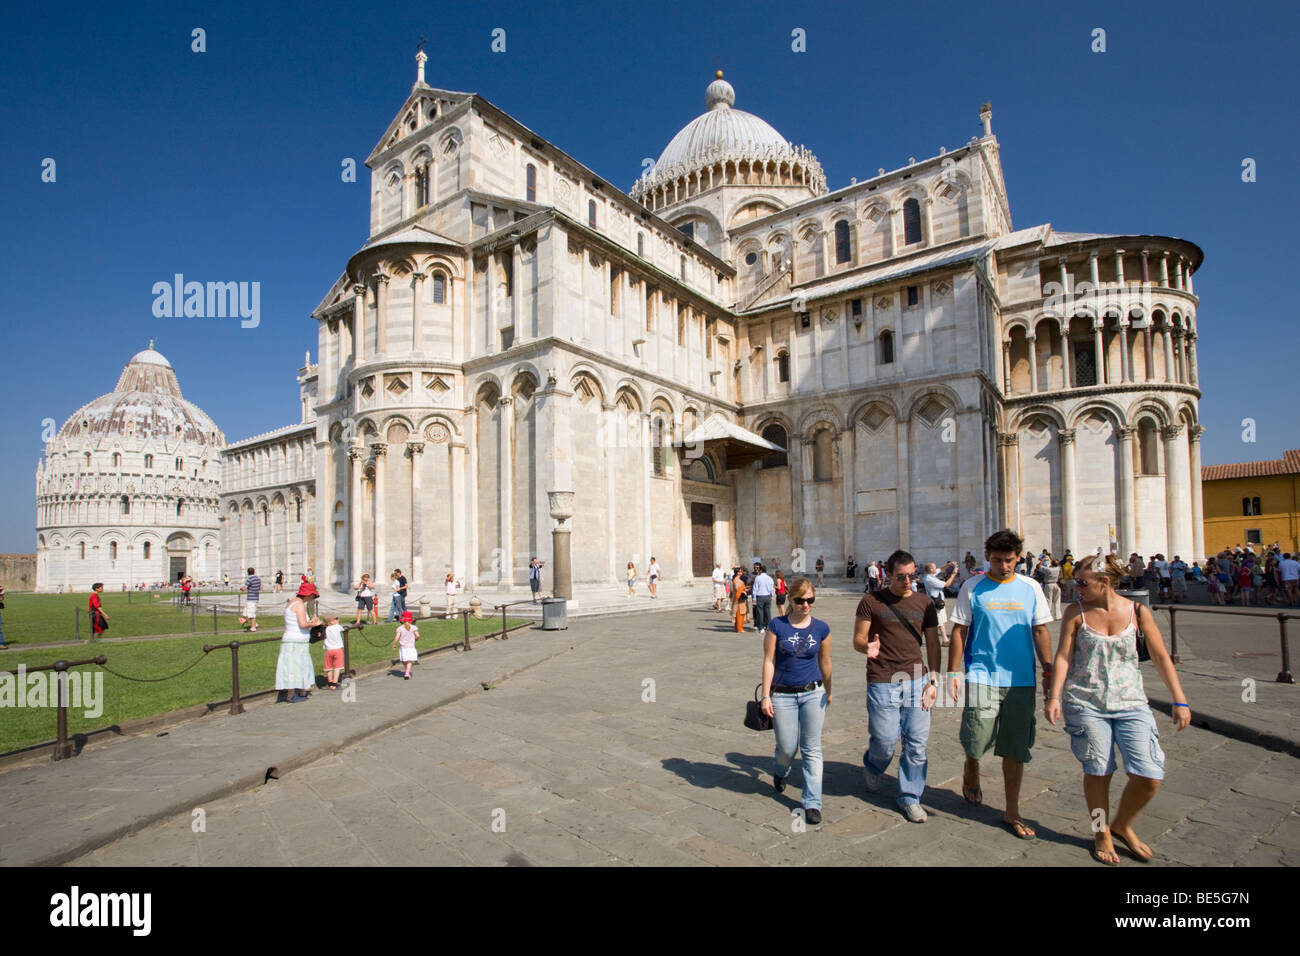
(46, 618)
(208, 681)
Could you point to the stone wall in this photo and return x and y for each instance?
(18, 572)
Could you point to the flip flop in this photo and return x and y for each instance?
(1096, 855)
(1133, 852)
(1019, 829)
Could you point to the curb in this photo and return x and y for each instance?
(1233, 729)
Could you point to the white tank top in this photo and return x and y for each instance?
(292, 632)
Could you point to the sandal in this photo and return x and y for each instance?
(1097, 852)
(1019, 829)
(1133, 850)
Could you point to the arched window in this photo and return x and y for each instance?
(147, 549)
(530, 188)
(112, 550)
(87, 459)
(842, 250)
(886, 347)
(822, 455)
(148, 461)
(180, 503)
(1148, 448)
(660, 439)
(298, 510)
(783, 366)
(776, 435)
(421, 186)
(81, 546)
(439, 288)
(911, 222)
(591, 213)
(126, 505)
(266, 516)
(640, 244)
(117, 460)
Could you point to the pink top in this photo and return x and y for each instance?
(406, 635)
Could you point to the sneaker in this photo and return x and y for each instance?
(779, 784)
(872, 779)
(813, 815)
(915, 813)
(406, 677)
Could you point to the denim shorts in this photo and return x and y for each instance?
(1094, 737)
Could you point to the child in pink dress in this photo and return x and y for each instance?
(407, 634)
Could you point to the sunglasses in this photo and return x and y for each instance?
(808, 601)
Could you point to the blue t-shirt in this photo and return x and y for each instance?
(1001, 616)
(254, 586)
(796, 651)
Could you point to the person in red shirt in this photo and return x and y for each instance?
(98, 619)
(1244, 587)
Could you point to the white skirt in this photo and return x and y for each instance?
(294, 668)
(407, 654)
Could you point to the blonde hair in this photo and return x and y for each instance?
(798, 586)
(1108, 567)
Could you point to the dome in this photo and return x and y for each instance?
(724, 134)
(147, 403)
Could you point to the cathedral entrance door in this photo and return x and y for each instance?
(177, 568)
(701, 539)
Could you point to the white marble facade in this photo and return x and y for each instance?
(514, 325)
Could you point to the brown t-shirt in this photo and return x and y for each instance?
(900, 652)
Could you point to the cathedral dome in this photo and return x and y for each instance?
(147, 403)
(724, 134)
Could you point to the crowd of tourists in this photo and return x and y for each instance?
(998, 643)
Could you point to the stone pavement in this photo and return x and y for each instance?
(579, 760)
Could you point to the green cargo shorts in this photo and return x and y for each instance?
(998, 718)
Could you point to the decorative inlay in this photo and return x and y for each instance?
(437, 433)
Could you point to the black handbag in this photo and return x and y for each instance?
(317, 634)
(755, 719)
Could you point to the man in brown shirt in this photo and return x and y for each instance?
(900, 690)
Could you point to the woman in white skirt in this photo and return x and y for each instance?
(295, 673)
(406, 636)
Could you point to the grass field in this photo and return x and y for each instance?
(46, 618)
(207, 681)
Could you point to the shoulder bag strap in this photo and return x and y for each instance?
(906, 623)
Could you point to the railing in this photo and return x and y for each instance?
(505, 633)
(1284, 675)
(62, 745)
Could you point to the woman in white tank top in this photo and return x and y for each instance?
(295, 673)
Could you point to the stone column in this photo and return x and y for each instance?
(1006, 365)
(1125, 373)
(1065, 353)
(902, 482)
(1119, 267)
(1094, 274)
(1198, 517)
(847, 479)
(462, 509)
(471, 490)
(1164, 269)
(380, 450)
(612, 426)
(894, 245)
(505, 499)
(359, 326)
(1146, 267)
(325, 501)
(1169, 352)
(1068, 519)
(1065, 279)
(381, 314)
(1188, 276)
(929, 221)
(1009, 451)
(646, 453)
(1127, 517)
(415, 450)
(1191, 353)
(1178, 491)
(561, 503)
(1178, 274)
(355, 522)
(1033, 361)
(1099, 352)
(417, 316)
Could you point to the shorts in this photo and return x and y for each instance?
(942, 614)
(998, 718)
(1095, 736)
(1164, 583)
(407, 654)
(719, 592)
(365, 604)
(334, 659)
(250, 609)
(535, 585)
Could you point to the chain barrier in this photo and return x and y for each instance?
(154, 680)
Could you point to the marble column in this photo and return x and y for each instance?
(1119, 267)
(1125, 372)
(417, 316)
(380, 450)
(355, 522)
(1065, 353)
(1178, 491)
(614, 426)
(1127, 517)
(415, 450)
(847, 476)
(1006, 365)
(325, 501)
(1099, 353)
(505, 497)
(904, 485)
(646, 464)
(895, 246)
(381, 314)
(1094, 274)
(1164, 269)
(460, 514)
(1169, 352)
(929, 221)
(1198, 518)
(1069, 520)
(1033, 362)
(359, 327)
(1191, 352)
(1009, 452)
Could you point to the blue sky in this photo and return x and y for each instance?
(224, 165)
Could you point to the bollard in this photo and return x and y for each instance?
(465, 617)
(1284, 675)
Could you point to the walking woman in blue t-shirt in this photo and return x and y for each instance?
(797, 691)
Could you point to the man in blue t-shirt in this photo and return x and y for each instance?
(999, 625)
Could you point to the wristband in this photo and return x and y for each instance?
(1188, 706)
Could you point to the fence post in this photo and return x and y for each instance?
(1173, 635)
(62, 747)
(464, 615)
(1284, 675)
(504, 635)
(347, 651)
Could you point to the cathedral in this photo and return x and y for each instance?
(727, 360)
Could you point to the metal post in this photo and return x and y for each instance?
(465, 617)
(1284, 675)
(347, 651)
(63, 747)
(235, 706)
(504, 635)
(1173, 635)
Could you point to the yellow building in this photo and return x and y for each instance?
(1254, 502)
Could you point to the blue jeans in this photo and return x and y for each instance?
(1095, 736)
(797, 720)
(398, 607)
(893, 708)
(762, 612)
